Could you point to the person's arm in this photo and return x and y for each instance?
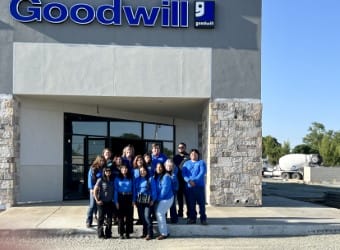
(96, 191)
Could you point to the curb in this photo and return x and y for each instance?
(182, 231)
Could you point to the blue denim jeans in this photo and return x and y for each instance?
(196, 195)
(162, 207)
(92, 209)
(145, 212)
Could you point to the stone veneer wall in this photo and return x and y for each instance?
(232, 147)
(9, 150)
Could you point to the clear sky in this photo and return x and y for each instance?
(300, 67)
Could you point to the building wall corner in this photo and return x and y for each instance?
(9, 150)
(232, 140)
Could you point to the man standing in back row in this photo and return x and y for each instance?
(179, 160)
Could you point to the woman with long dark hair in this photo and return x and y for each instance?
(123, 199)
(165, 198)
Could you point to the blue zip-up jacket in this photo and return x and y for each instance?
(194, 171)
(164, 187)
(174, 180)
(91, 179)
(123, 185)
(144, 186)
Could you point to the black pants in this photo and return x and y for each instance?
(125, 214)
(105, 210)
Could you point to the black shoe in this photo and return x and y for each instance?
(191, 222)
(204, 222)
(138, 222)
(121, 237)
(127, 236)
(180, 214)
(88, 225)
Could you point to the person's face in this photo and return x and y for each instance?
(140, 162)
(147, 158)
(107, 172)
(159, 169)
(107, 154)
(102, 162)
(156, 150)
(169, 167)
(193, 156)
(181, 148)
(123, 170)
(142, 172)
(118, 161)
(128, 152)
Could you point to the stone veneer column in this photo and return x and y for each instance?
(9, 150)
(232, 146)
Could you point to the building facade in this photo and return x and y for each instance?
(78, 76)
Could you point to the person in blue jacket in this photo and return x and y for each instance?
(144, 196)
(95, 172)
(124, 201)
(172, 170)
(194, 171)
(165, 198)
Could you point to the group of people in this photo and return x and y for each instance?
(151, 182)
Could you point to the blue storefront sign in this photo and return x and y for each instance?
(170, 13)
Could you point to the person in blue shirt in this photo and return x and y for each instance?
(127, 156)
(144, 196)
(194, 171)
(95, 172)
(172, 170)
(123, 199)
(138, 162)
(165, 198)
(156, 157)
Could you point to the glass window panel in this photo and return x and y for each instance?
(78, 149)
(126, 129)
(158, 132)
(90, 128)
(168, 149)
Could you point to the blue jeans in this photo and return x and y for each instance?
(162, 207)
(145, 212)
(196, 195)
(92, 208)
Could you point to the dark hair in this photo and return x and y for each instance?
(121, 176)
(195, 150)
(105, 178)
(182, 143)
(147, 172)
(161, 174)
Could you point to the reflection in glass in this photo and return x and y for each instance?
(168, 149)
(128, 130)
(158, 132)
(90, 128)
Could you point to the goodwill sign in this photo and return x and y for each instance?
(170, 13)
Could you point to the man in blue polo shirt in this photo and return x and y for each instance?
(194, 171)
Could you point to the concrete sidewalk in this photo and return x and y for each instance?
(277, 217)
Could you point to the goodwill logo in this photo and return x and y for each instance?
(170, 13)
(205, 14)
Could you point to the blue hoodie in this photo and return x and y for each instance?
(164, 187)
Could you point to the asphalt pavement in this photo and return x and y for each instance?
(278, 216)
